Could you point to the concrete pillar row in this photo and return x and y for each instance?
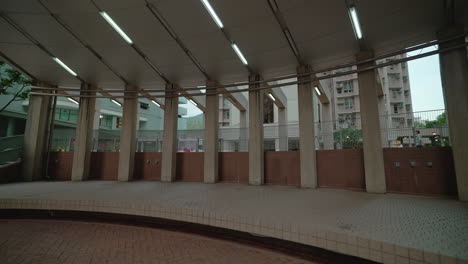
(454, 75)
(84, 135)
(128, 136)
(169, 148)
(372, 143)
(306, 130)
(211, 134)
(256, 155)
(36, 135)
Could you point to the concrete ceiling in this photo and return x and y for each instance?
(321, 29)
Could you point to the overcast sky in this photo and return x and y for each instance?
(426, 87)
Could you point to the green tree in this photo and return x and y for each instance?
(13, 83)
(348, 137)
(440, 121)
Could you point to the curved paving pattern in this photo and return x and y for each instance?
(387, 228)
(35, 241)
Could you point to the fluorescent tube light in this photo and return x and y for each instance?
(64, 66)
(73, 100)
(193, 102)
(239, 53)
(212, 13)
(355, 22)
(156, 103)
(272, 97)
(115, 102)
(116, 27)
(318, 90)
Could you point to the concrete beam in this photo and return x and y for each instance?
(198, 100)
(280, 98)
(237, 99)
(84, 135)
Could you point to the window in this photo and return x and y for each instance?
(339, 90)
(394, 76)
(395, 109)
(394, 94)
(226, 114)
(225, 101)
(348, 87)
(408, 107)
(267, 110)
(105, 122)
(349, 103)
(144, 105)
(405, 78)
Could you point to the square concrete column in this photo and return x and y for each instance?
(454, 73)
(327, 126)
(256, 155)
(282, 129)
(211, 134)
(168, 165)
(84, 135)
(36, 136)
(370, 123)
(128, 135)
(305, 98)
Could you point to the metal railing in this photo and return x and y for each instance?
(397, 130)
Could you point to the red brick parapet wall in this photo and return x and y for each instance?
(425, 171)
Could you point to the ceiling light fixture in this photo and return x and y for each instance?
(239, 53)
(212, 13)
(116, 27)
(193, 102)
(116, 102)
(73, 100)
(64, 66)
(272, 97)
(355, 21)
(318, 90)
(156, 103)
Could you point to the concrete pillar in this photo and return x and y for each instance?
(282, 129)
(372, 143)
(10, 127)
(243, 133)
(84, 136)
(256, 166)
(168, 166)
(327, 126)
(306, 130)
(454, 73)
(36, 136)
(128, 135)
(211, 134)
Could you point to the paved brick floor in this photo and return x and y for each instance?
(38, 241)
(386, 228)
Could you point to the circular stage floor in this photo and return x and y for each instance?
(56, 241)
